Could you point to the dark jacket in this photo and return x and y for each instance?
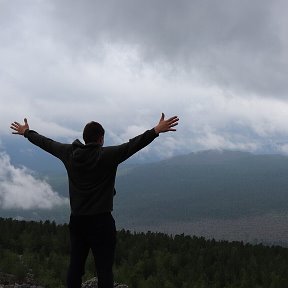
(91, 169)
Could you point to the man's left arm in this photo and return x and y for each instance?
(53, 147)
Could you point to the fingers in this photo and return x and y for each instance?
(172, 125)
(15, 126)
(173, 119)
(172, 122)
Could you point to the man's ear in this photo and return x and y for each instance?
(102, 140)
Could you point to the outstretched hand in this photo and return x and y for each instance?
(19, 128)
(166, 125)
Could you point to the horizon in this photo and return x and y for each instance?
(220, 67)
(253, 221)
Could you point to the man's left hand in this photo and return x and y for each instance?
(19, 128)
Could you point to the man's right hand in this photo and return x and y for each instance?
(166, 125)
(19, 128)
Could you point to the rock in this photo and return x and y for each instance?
(92, 283)
(9, 281)
(6, 279)
(19, 286)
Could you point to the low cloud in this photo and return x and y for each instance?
(221, 67)
(20, 189)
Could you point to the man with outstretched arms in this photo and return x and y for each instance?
(91, 170)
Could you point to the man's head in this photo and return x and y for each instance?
(93, 133)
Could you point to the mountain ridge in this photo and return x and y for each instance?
(219, 186)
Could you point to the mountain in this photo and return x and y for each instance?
(221, 194)
(216, 194)
(205, 184)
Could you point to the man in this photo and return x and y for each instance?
(91, 170)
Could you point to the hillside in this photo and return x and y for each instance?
(222, 194)
(143, 260)
(206, 184)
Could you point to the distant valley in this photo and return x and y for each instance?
(221, 194)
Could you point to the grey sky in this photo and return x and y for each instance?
(221, 66)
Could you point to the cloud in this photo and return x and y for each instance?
(221, 67)
(20, 189)
(236, 44)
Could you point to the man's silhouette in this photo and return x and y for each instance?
(91, 170)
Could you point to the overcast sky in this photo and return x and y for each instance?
(221, 66)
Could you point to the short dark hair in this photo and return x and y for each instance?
(92, 132)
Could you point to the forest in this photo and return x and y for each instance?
(144, 260)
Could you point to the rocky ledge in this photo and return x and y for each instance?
(8, 281)
(19, 286)
(93, 283)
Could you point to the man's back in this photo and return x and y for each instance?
(91, 168)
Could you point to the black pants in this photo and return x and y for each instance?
(97, 233)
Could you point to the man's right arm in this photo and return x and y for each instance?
(126, 150)
(135, 144)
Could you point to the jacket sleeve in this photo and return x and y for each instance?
(55, 148)
(135, 144)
